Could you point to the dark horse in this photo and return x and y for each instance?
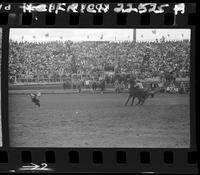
(134, 92)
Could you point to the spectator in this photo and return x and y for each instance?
(166, 59)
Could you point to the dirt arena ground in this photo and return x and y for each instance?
(99, 120)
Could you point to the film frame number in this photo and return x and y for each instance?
(33, 166)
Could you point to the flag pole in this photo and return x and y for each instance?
(134, 35)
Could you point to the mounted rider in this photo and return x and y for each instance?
(139, 85)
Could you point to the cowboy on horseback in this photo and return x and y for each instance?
(136, 91)
(139, 85)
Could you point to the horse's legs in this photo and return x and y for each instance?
(142, 101)
(132, 101)
(139, 100)
(128, 99)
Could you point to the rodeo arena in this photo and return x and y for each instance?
(130, 93)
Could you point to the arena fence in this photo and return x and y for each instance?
(15, 80)
(181, 84)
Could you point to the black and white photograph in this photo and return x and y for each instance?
(86, 87)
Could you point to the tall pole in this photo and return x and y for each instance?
(134, 35)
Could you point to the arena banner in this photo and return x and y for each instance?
(98, 87)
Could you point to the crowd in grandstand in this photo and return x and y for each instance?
(90, 59)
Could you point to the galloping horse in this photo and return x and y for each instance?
(134, 92)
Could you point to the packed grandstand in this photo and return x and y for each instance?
(56, 61)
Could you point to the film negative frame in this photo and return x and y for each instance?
(115, 160)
